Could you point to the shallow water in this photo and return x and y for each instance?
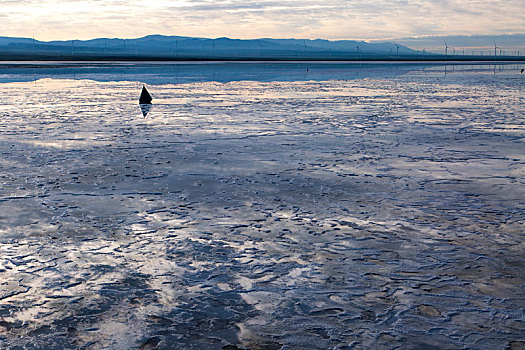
(367, 208)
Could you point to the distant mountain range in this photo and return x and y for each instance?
(159, 47)
(509, 44)
(178, 47)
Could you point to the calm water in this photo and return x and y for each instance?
(262, 206)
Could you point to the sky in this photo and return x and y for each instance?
(327, 19)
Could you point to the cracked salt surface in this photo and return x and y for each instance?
(374, 212)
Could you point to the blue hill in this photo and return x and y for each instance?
(178, 47)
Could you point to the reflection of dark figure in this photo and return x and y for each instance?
(145, 97)
(145, 108)
(522, 69)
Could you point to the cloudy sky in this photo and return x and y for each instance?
(327, 19)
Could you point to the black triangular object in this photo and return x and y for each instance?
(145, 97)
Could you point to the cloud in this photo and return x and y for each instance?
(330, 19)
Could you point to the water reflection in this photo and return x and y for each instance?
(373, 213)
(186, 72)
(145, 108)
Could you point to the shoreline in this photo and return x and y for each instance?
(61, 63)
(401, 59)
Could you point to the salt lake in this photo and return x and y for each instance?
(262, 206)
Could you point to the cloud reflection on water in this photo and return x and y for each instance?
(377, 212)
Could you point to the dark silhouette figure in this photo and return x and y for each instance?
(145, 97)
(522, 69)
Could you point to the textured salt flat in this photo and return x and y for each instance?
(374, 212)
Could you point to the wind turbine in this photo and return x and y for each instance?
(446, 48)
(495, 48)
(397, 49)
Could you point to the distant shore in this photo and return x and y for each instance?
(433, 58)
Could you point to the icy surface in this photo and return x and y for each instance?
(349, 214)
